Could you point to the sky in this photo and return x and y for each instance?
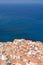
(21, 1)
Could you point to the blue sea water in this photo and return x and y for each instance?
(21, 21)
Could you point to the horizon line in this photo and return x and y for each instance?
(23, 3)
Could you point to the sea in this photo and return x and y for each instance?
(21, 21)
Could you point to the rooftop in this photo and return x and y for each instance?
(21, 52)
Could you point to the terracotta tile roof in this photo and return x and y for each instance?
(40, 64)
(21, 51)
(13, 61)
(34, 60)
